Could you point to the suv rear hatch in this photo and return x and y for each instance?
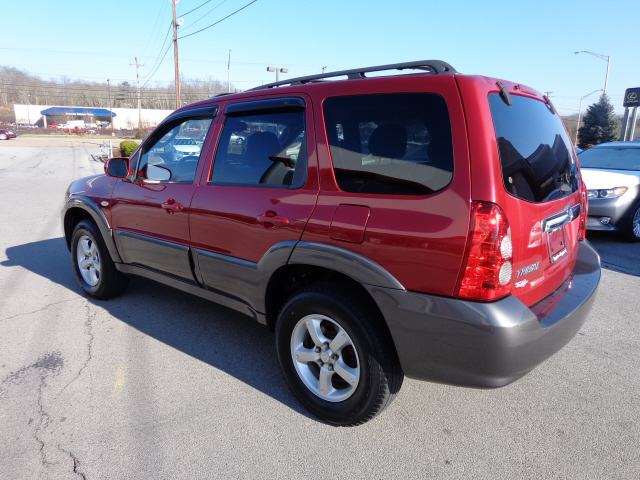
(531, 173)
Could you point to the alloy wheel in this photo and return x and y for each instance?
(325, 358)
(88, 260)
(635, 225)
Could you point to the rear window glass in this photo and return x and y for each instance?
(614, 158)
(396, 144)
(538, 161)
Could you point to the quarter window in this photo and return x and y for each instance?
(263, 150)
(396, 144)
(174, 156)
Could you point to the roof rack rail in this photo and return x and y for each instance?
(435, 67)
(220, 94)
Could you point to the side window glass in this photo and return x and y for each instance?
(175, 155)
(394, 144)
(265, 149)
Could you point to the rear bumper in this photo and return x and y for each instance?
(487, 345)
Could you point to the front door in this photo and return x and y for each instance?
(150, 214)
(259, 195)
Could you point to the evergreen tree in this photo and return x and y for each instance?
(600, 125)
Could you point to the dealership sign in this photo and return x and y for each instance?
(631, 97)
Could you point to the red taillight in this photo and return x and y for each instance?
(488, 270)
(582, 233)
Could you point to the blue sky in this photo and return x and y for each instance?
(528, 42)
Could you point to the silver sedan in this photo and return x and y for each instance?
(611, 172)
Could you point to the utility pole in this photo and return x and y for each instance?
(110, 109)
(548, 94)
(323, 69)
(139, 108)
(175, 52)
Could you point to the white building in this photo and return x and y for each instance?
(123, 118)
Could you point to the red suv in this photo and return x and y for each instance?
(428, 224)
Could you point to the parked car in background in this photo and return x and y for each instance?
(611, 172)
(428, 225)
(53, 125)
(7, 134)
(183, 147)
(75, 130)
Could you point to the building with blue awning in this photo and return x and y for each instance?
(122, 118)
(78, 111)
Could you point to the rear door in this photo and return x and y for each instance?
(395, 176)
(259, 193)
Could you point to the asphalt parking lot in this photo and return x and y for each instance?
(160, 384)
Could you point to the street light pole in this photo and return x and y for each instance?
(277, 70)
(580, 114)
(229, 72)
(607, 58)
(28, 113)
(110, 108)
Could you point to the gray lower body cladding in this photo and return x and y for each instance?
(486, 345)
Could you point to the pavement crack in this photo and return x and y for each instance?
(89, 327)
(39, 310)
(76, 462)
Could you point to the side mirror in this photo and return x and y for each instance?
(117, 167)
(156, 172)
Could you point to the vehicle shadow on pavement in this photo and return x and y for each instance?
(215, 335)
(615, 253)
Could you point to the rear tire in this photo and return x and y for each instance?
(336, 355)
(633, 230)
(93, 265)
(3, 136)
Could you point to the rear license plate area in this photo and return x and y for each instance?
(557, 243)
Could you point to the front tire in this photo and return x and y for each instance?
(336, 355)
(92, 264)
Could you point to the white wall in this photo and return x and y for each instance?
(124, 117)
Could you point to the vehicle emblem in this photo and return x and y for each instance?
(527, 270)
(521, 283)
(632, 96)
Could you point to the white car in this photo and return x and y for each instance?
(183, 147)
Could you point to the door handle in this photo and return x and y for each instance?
(271, 219)
(172, 207)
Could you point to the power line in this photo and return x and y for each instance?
(202, 5)
(206, 14)
(159, 64)
(161, 47)
(153, 30)
(202, 29)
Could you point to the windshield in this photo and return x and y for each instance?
(614, 158)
